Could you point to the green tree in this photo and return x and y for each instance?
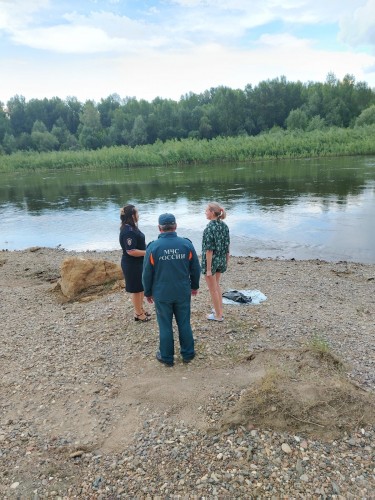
(316, 123)
(227, 111)
(152, 128)
(166, 118)
(19, 120)
(270, 102)
(90, 130)
(118, 125)
(73, 114)
(60, 131)
(43, 140)
(314, 102)
(364, 97)
(39, 127)
(138, 133)
(205, 128)
(106, 109)
(190, 112)
(337, 102)
(297, 120)
(367, 117)
(4, 122)
(37, 111)
(24, 142)
(9, 143)
(66, 140)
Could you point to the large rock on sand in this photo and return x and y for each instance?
(78, 274)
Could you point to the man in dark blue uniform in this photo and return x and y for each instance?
(171, 274)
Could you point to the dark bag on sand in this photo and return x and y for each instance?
(236, 296)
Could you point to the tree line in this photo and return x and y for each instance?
(67, 125)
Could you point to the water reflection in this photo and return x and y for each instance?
(301, 209)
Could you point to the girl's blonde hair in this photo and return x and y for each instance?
(217, 210)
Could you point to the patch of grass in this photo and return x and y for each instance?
(109, 284)
(319, 345)
(326, 405)
(284, 144)
(233, 351)
(269, 381)
(201, 348)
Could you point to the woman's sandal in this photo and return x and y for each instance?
(137, 317)
(146, 313)
(212, 317)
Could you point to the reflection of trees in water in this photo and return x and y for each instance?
(270, 184)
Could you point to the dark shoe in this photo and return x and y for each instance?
(161, 360)
(146, 313)
(188, 360)
(137, 317)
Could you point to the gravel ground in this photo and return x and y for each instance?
(87, 411)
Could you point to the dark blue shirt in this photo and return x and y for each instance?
(131, 238)
(171, 268)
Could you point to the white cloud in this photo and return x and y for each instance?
(358, 27)
(68, 39)
(296, 11)
(97, 33)
(151, 73)
(178, 46)
(18, 13)
(186, 22)
(116, 26)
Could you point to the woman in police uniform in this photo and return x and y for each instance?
(133, 245)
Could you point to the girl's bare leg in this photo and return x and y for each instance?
(219, 293)
(213, 284)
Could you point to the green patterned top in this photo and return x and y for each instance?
(216, 238)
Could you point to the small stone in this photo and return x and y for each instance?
(335, 488)
(77, 453)
(286, 448)
(299, 467)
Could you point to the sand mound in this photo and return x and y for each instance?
(304, 392)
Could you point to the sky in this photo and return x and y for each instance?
(91, 49)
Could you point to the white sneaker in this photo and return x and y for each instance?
(212, 317)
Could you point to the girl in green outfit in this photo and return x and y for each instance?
(215, 256)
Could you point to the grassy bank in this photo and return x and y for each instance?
(273, 145)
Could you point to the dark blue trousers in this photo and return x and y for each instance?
(181, 311)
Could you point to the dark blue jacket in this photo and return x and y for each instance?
(171, 268)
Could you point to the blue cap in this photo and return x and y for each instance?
(166, 219)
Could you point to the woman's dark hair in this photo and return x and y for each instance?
(126, 216)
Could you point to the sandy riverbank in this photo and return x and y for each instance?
(88, 411)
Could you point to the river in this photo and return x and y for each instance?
(302, 209)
